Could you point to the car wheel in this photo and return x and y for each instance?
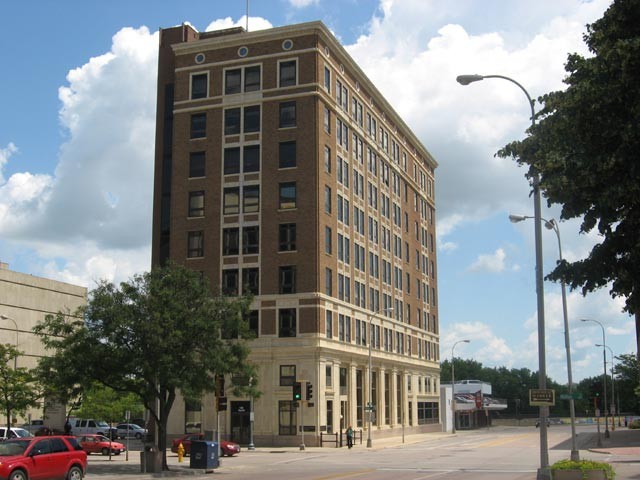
(117, 452)
(75, 473)
(18, 475)
(138, 435)
(105, 451)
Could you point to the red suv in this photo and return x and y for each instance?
(54, 457)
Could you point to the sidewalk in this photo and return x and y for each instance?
(622, 441)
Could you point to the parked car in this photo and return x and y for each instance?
(34, 426)
(131, 430)
(91, 443)
(538, 423)
(13, 433)
(226, 448)
(83, 426)
(56, 457)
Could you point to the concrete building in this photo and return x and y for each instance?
(280, 169)
(25, 300)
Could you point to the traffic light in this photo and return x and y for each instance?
(297, 391)
(309, 391)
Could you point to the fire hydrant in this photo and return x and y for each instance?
(180, 452)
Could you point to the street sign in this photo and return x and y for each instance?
(574, 395)
(369, 408)
(542, 397)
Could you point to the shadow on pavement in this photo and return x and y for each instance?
(621, 438)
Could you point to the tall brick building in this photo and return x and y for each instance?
(281, 169)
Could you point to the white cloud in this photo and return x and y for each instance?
(492, 263)
(5, 154)
(255, 23)
(487, 347)
(302, 3)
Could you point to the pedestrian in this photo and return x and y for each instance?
(67, 428)
(349, 437)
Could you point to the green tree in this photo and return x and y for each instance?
(626, 373)
(19, 388)
(157, 334)
(107, 404)
(585, 148)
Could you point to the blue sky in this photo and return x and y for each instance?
(77, 126)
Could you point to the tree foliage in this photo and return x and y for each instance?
(107, 404)
(585, 148)
(19, 388)
(157, 334)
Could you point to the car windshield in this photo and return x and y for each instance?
(11, 448)
(21, 432)
(102, 424)
(102, 439)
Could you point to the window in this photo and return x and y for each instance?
(231, 161)
(287, 322)
(196, 204)
(252, 78)
(251, 240)
(287, 375)
(287, 115)
(287, 418)
(329, 333)
(287, 195)
(327, 199)
(288, 73)
(232, 81)
(287, 154)
(287, 237)
(327, 79)
(251, 280)
(328, 281)
(327, 159)
(230, 241)
(230, 281)
(254, 322)
(251, 199)
(199, 84)
(231, 201)
(287, 279)
(195, 244)
(327, 120)
(198, 125)
(251, 159)
(252, 119)
(196, 164)
(327, 240)
(232, 121)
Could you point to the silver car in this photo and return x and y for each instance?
(131, 430)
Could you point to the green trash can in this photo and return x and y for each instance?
(204, 454)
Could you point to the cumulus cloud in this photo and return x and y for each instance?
(96, 208)
(492, 263)
(255, 23)
(487, 346)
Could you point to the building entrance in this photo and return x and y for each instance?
(241, 422)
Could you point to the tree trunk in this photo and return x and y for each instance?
(638, 335)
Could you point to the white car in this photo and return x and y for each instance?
(131, 430)
(13, 433)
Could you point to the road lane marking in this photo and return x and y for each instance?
(502, 441)
(346, 474)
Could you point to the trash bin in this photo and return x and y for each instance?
(204, 454)
(150, 459)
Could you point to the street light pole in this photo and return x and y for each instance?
(553, 225)
(15, 359)
(384, 310)
(612, 405)
(604, 375)
(544, 472)
(453, 388)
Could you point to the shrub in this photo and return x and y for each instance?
(585, 465)
(634, 424)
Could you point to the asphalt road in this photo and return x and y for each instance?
(497, 453)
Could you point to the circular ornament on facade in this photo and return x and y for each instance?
(327, 52)
(341, 68)
(200, 58)
(357, 86)
(243, 51)
(287, 44)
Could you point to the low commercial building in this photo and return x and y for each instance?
(25, 300)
